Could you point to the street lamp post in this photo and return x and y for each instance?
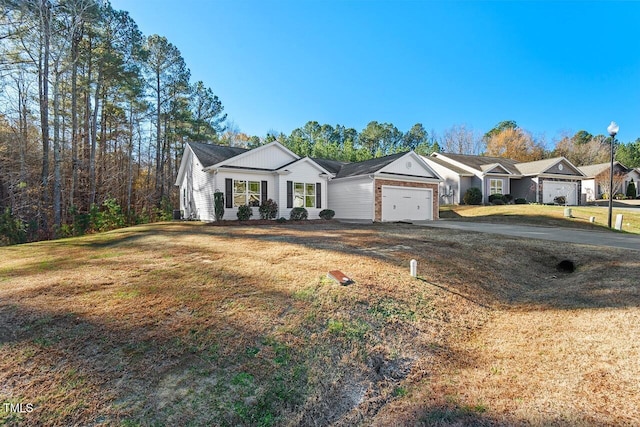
(613, 129)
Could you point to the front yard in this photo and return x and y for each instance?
(189, 324)
(545, 215)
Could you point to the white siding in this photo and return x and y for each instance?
(196, 191)
(270, 157)
(589, 190)
(232, 213)
(303, 172)
(352, 198)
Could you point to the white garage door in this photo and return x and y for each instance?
(553, 189)
(406, 203)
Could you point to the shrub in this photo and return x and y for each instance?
(631, 189)
(520, 201)
(498, 202)
(111, 216)
(281, 219)
(244, 212)
(326, 214)
(619, 196)
(268, 210)
(472, 196)
(218, 205)
(12, 229)
(508, 198)
(560, 200)
(497, 196)
(605, 196)
(298, 214)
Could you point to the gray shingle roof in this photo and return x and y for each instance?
(538, 166)
(210, 154)
(332, 166)
(449, 166)
(477, 162)
(593, 170)
(368, 166)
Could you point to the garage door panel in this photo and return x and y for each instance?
(553, 189)
(406, 203)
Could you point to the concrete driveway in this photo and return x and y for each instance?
(558, 234)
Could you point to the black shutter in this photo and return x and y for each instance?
(318, 195)
(228, 192)
(263, 190)
(289, 194)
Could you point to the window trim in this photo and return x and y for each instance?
(304, 195)
(492, 186)
(247, 193)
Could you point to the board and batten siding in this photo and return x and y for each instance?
(271, 158)
(352, 198)
(301, 172)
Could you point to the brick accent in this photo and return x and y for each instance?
(378, 183)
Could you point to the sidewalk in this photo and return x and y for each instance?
(558, 234)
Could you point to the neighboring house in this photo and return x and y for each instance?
(540, 181)
(391, 188)
(544, 180)
(592, 187)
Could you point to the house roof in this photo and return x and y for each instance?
(593, 170)
(368, 166)
(210, 154)
(448, 165)
(540, 166)
(332, 166)
(479, 163)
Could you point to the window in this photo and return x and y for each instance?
(304, 195)
(495, 186)
(246, 193)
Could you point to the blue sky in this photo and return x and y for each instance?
(553, 67)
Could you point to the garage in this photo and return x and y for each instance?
(406, 203)
(553, 189)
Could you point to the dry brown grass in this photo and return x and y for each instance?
(187, 324)
(547, 215)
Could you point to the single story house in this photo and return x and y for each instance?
(392, 188)
(592, 189)
(539, 181)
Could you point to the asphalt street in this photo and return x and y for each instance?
(558, 234)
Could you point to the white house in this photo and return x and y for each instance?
(592, 187)
(392, 188)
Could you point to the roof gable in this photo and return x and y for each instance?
(410, 164)
(267, 157)
(555, 166)
(304, 160)
(495, 169)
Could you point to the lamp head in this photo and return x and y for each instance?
(613, 129)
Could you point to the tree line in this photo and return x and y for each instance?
(94, 112)
(94, 117)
